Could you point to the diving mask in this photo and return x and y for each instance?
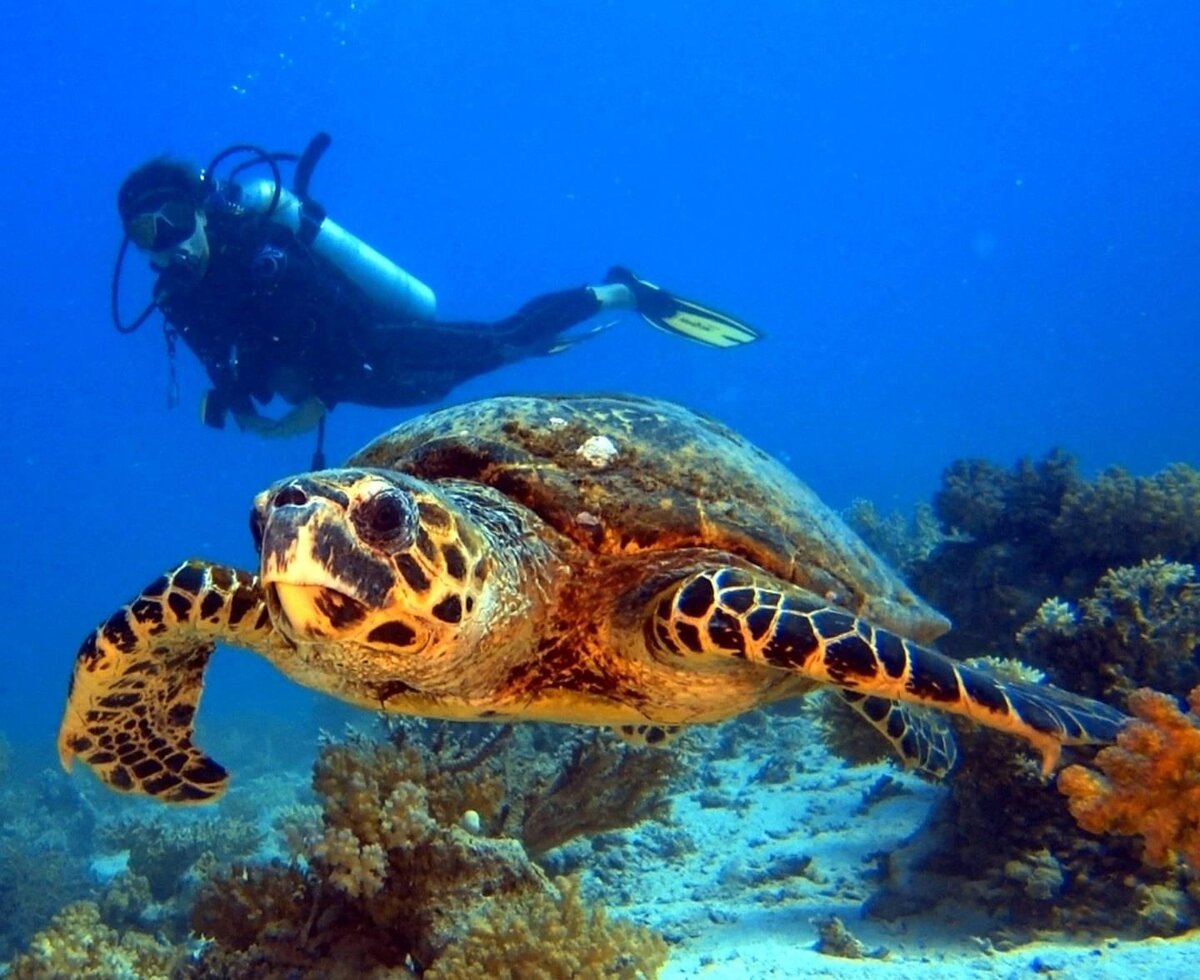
(174, 222)
(186, 260)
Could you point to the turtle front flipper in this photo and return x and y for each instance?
(758, 618)
(138, 678)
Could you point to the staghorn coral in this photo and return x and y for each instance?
(1139, 628)
(391, 883)
(79, 945)
(163, 850)
(1148, 783)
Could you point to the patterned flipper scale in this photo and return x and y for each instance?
(138, 678)
(741, 613)
(924, 742)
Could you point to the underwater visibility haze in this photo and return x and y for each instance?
(969, 235)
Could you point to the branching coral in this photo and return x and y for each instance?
(79, 945)
(1149, 782)
(164, 849)
(1040, 529)
(1139, 628)
(392, 880)
(1119, 519)
(604, 786)
(509, 942)
(900, 541)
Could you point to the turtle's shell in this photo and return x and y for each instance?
(622, 474)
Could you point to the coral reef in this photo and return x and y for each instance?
(77, 944)
(602, 787)
(164, 849)
(1039, 529)
(1116, 621)
(899, 540)
(1148, 783)
(1006, 839)
(511, 940)
(1118, 519)
(1140, 627)
(392, 880)
(46, 831)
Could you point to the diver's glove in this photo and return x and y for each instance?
(302, 418)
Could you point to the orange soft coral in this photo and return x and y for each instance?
(1149, 782)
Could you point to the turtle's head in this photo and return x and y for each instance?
(371, 559)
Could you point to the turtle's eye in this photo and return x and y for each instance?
(387, 519)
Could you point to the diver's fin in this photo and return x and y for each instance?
(677, 315)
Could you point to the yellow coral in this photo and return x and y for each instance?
(535, 935)
(1149, 783)
(79, 945)
(356, 868)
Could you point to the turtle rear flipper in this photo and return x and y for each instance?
(763, 620)
(139, 676)
(924, 742)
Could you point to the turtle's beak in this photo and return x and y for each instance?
(319, 581)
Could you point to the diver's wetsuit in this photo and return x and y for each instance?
(270, 317)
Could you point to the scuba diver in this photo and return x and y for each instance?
(274, 298)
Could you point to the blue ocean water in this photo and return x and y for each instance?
(967, 229)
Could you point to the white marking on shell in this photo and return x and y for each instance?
(599, 451)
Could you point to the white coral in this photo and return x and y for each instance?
(599, 451)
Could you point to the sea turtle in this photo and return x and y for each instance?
(597, 560)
